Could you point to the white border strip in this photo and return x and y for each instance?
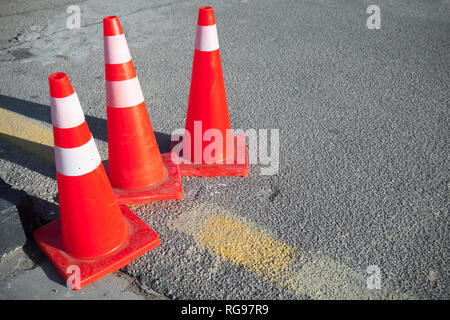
(206, 38)
(66, 112)
(123, 94)
(77, 161)
(116, 49)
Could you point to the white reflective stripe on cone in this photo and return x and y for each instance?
(116, 49)
(77, 161)
(66, 112)
(206, 38)
(123, 94)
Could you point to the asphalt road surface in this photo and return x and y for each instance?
(360, 199)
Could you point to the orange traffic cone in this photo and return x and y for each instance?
(137, 170)
(93, 233)
(207, 114)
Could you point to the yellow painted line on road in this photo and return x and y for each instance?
(26, 134)
(245, 245)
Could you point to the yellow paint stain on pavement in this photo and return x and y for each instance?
(246, 247)
(303, 273)
(26, 134)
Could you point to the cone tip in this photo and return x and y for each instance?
(60, 85)
(111, 26)
(206, 16)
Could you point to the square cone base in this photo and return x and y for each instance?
(168, 189)
(217, 170)
(140, 240)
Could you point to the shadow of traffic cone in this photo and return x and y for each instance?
(207, 114)
(93, 233)
(137, 171)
